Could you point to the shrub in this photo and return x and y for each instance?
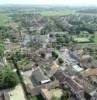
(60, 60)
(54, 54)
(8, 78)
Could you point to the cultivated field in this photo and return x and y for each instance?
(4, 19)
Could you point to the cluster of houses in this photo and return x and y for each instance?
(81, 80)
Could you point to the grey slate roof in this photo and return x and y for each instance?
(38, 75)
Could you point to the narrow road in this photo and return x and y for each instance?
(5, 61)
(20, 78)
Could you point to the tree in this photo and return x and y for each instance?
(1, 50)
(61, 61)
(54, 54)
(55, 98)
(8, 78)
(60, 40)
(66, 93)
(92, 38)
(42, 54)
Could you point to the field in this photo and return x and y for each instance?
(55, 13)
(84, 45)
(47, 11)
(88, 14)
(95, 38)
(81, 40)
(4, 18)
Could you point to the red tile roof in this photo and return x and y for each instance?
(91, 72)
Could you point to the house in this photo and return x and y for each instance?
(36, 79)
(4, 96)
(48, 94)
(59, 75)
(54, 67)
(7, 44)
(90, 72)
(75, 86)
(77, 68)
(91, 75)
(1, 97)
(39, 77)
(86, 59)
(40, 38)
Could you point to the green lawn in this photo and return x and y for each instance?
(81, 40)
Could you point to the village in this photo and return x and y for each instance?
(51, 72)
(48, 57)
